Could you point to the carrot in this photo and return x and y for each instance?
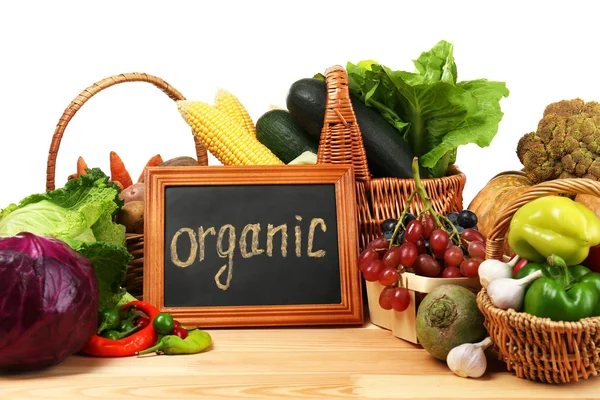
(81, 166)
(152, 162)
(118, 172)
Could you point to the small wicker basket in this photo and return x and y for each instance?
(135, 242)
(539, 349)
(378, 198)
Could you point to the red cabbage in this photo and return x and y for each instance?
(48, 302)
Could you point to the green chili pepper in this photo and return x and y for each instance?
(196, 341)
(163, 323)
(563, 293)
(554, 225)
(111, 334)
(108, 319)
(116, 335)
(125, 325)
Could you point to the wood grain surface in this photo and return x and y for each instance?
(359, 362)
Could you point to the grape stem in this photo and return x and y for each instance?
(400, 224)
(427, 207)
(420, 190)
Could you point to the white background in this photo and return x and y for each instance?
(51, 50)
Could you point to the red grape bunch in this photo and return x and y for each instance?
(430, 244)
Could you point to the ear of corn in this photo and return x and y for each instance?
(230, 105)
(223, 137)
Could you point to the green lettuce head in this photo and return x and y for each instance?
(81, 215)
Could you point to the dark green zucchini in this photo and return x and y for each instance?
(277, 130)
(388, 154)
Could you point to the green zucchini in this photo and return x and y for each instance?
(277, 130)
(388, 154)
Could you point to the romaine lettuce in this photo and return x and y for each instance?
(432, 110)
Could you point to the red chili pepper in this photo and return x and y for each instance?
(142, 322)
(130, 345)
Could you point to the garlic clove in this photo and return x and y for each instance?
(491, 269)
(506, 293)
(468, 360)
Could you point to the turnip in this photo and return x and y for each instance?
(447, 317)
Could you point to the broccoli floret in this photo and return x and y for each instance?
(566, 143)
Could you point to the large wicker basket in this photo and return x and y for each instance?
(540, 349)
(135, 242)
(378, 198)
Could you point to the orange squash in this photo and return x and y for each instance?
(489, 203)
(590, 201)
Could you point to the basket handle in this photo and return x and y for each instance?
(341, 140)
(495, 242)
(97, 87)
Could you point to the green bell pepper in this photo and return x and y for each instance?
(563, 293)
(554, 225)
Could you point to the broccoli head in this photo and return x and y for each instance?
(566, 143)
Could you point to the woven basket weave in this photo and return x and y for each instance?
(135, 242)
(378, 198)
(540, 349)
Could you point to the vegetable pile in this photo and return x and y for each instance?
(551, 237)
(132, 194)
(554, 236)
(426, 114)
(80, 214)
(139, 328)
(63, 258)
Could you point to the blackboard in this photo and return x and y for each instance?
(252, 246)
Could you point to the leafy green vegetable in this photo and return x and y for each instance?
(432, 110)
(109, 260)
(81, 215)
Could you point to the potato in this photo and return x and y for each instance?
(135, 192)
(183, 161)
(132, 216)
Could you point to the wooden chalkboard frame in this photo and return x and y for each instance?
(348, 312)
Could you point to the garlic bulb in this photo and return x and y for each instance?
(468, 360)
(493, 269)
(508, 293)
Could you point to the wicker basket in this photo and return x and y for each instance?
(135, 242)
(378, 198)
(540, 349)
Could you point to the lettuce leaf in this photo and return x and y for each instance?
(47, 219)
(81, 215)
(432, 110)
(108, 260)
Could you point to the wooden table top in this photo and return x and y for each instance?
(358, 362)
